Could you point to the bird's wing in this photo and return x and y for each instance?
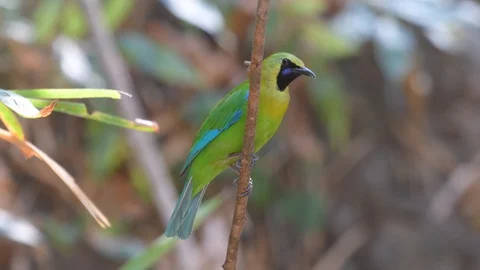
(227, 112)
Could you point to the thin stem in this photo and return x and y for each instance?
(255, 74)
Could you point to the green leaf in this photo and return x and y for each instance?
(306, 8)
(73, 23)
(107, 149)
(23, 106)
(162, 245)
(158, 60)
(331, 104)
(327, 42)
(46, 17)
(11, 122)
(116, 11)
(75, 93)
(80, 110)
(140, 184)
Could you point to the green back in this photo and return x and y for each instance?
(227, 112)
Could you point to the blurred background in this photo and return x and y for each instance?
(376, 165)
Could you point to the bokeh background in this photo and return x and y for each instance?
(376, 165)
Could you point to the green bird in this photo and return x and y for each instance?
(219, 141)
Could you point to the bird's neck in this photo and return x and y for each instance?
(273, 102)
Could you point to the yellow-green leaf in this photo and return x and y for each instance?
(327, 42)
(74, 24)
(306, 8)
(73, 93)
(107, 149)
(116, 11)
(80, 110)
(23, 106)
(46, 17)
(158, 60)
(11, 122)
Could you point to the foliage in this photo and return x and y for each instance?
(373, 141)
(17, 102)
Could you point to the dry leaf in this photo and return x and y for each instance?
(30, 149)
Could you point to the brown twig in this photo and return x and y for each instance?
(255, 73)
(142, 144)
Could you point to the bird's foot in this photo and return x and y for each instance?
(238, 165)
(249, 188)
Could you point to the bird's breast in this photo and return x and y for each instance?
(271, 110)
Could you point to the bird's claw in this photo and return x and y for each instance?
(237, 167)
(238, 164)
(249, 188)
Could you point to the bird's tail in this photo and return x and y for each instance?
(183, 216)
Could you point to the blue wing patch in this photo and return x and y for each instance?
(204, 141)
(210, 135)
(236, 116)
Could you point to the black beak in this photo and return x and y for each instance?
(304, 71)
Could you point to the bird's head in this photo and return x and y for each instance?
(285, 68)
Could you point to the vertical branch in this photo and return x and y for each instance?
(255, 73)
(142, 144)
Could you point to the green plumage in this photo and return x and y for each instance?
(221, 134)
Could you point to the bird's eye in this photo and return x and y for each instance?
(284, 61)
